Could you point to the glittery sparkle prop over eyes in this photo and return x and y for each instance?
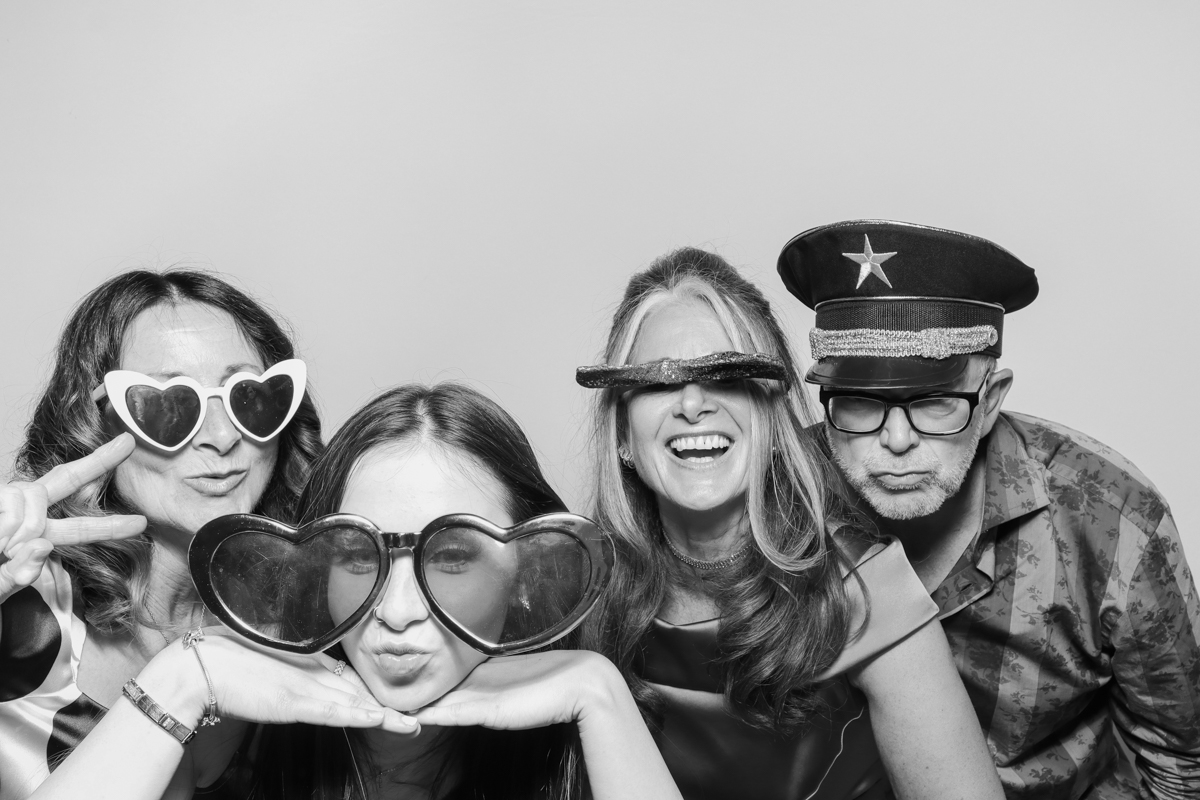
(713, 367)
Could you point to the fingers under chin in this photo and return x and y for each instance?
(340, 716)
(395, 722)
(450, 716)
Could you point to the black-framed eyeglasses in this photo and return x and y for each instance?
(500, 590)
(932, 414)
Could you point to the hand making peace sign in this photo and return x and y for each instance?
(28, 536)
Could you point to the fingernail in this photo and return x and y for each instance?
(112, 443)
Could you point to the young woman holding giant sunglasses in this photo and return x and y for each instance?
(431, 540)
(174, 398)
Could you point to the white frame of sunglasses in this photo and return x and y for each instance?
(117, 383)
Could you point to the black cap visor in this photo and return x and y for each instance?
(879, 372)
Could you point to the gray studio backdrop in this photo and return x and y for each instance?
(459, 190)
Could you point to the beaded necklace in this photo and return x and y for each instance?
(708, 566)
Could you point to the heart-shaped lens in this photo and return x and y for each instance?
(166, 416)
(295, 592)
(262, 406)
(504, 592)
(501, 590)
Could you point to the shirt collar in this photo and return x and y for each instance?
(1015, 482)
(1014, 485)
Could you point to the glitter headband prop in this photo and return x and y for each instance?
(672, 372)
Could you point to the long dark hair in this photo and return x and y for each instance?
(67, 424)
(328, 764)
(784, 613)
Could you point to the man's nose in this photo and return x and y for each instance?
(897, 434)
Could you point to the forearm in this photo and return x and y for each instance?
(128, 756)
(926, 730)
(622, 758)
(1155, 694)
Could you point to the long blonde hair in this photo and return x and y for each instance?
(784, 613)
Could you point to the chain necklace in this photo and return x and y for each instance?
(708, 566)
(167, 640)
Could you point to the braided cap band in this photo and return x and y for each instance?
(669, 371)
(930, 343)
(931, 327)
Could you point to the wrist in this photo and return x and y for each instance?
(173, 680)
(602, 691)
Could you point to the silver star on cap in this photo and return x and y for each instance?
(870, 261)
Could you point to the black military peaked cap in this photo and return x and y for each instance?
(901, 305)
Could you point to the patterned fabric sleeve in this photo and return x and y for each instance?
(895, 605)
(1156, 665)
(42, 712)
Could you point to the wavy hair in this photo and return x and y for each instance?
(329, 764)
(67, 424)
(784, 613)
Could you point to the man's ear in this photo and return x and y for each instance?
(993, 398)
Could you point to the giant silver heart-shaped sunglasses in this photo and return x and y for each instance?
(500, 590)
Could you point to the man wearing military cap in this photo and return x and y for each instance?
(1063, 589)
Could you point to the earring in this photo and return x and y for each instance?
(625, 456)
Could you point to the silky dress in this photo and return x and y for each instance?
(44, 714)
(714, 755)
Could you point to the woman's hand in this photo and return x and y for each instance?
(261, 685)
(528, 691)
(27, 536)
(127, 756)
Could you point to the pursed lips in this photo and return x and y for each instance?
(217, 482)
(900, 480)
(400, 660)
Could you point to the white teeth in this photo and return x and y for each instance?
(713, 441)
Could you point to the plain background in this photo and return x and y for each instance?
(460, 190)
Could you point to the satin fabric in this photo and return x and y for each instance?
(43, 714)
(714, 755)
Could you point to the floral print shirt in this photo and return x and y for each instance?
(1074, 621)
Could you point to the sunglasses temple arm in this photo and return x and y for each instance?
(99, 393)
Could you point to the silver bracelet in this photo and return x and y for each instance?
(151, 709)
(210, 713)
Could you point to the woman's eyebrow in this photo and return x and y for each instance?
(242, 367)
(230, 370)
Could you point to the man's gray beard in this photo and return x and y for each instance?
(943, 483)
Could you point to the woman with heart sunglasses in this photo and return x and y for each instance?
(429, 540)
(174, 398)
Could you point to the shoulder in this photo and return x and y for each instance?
(888, 601)
(1109, 526)
(1087, 476)
(856, 545)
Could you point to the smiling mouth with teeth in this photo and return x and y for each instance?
(699, 449)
